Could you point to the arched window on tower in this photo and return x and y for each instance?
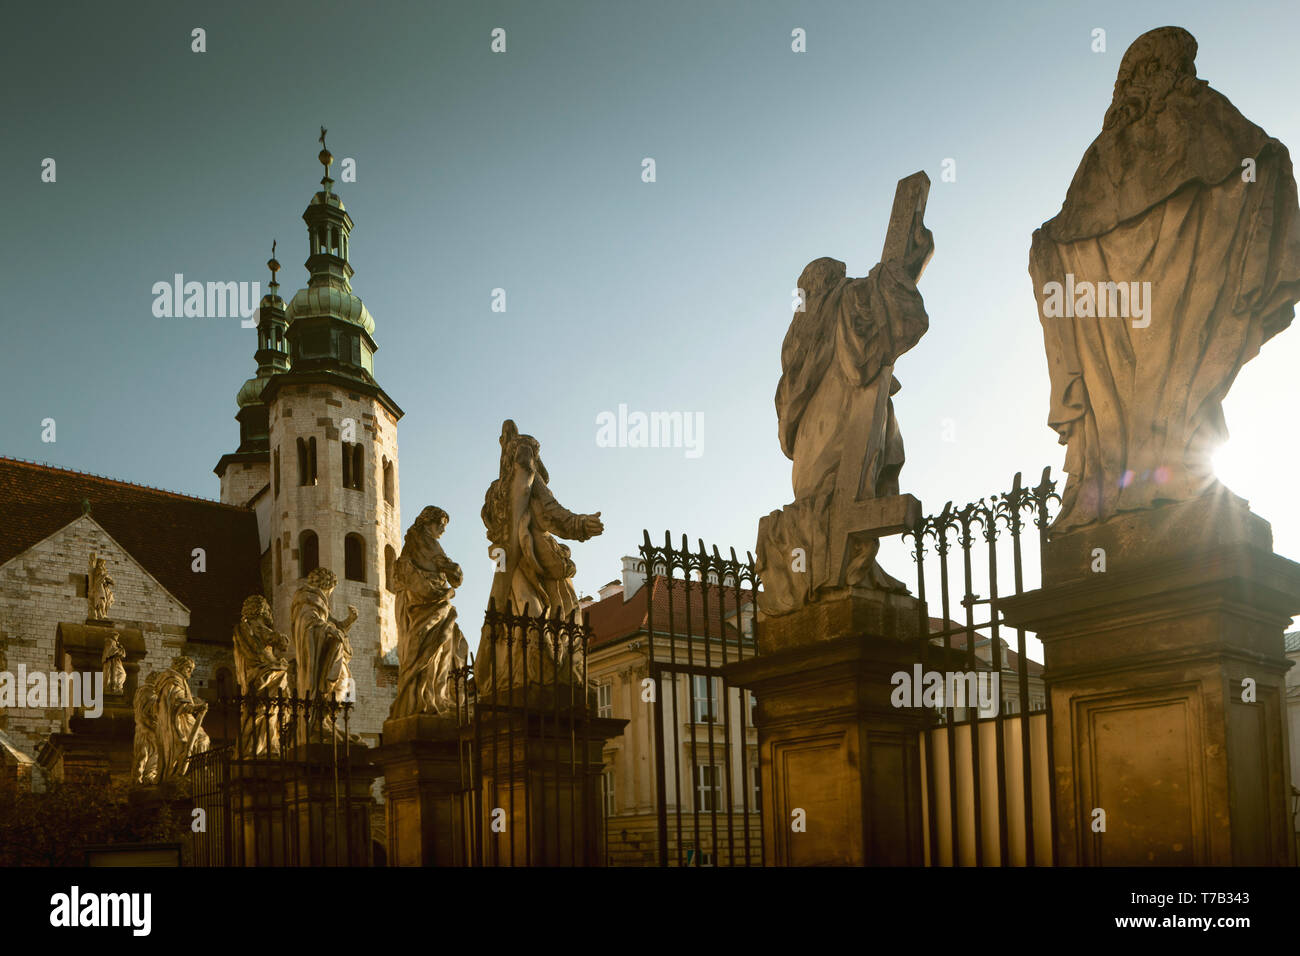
(390, 559)
(388, 481)
(354, 558)
(308, 553)
(302, 461)
(334, 241)
(353, 462)
(311, 460)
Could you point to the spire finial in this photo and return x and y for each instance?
(326, 160)
(273, 265)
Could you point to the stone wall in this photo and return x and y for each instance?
(46, 585)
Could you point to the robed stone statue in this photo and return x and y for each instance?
(836, 422)
(322, 647)
(179, 722)
(430, 645)
(262, 671)
(534, 570)
(1175, 256)
(114, 663)
(99, 589)
(144, 756)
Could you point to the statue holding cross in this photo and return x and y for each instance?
(836, 419)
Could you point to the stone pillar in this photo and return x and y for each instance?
(329, 833)
(540, 775)
(425, 808)
(1162, 639)
(830, 741)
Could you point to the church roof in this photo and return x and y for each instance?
(160, 530)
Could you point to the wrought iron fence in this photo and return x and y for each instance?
(699, 618)
(961, 826)
(529, 757)
(291, 787)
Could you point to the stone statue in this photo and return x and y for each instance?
(534, 570)
(1175, 256)
(99, 589)
(179, 725)
(321, 643)
(429, 641)
(114, 661)
(262, 671)
(144, 759)
(836, 419)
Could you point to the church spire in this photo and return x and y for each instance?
(328, 229)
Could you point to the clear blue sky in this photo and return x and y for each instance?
(523, 171)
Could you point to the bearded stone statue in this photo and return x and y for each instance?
(1175, 256)
(430, 645)
(322, 646)
(262, 671)
(179, 723)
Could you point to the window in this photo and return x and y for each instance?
(354, 558)
(277, 473)
(390, 559)
(607, 792)
(352, 465)
(708, 788)
(753, 711)
(705, 699)
(756, 785)
(308, 553)
(306, 461)
(388, 481)
(605, 699)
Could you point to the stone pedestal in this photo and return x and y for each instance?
(540, 776)
(1166, 682)
(830, 742)
(93, 747)
(330, 832)
(425, 808)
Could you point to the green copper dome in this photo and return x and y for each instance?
(327, 300)
(251, 391)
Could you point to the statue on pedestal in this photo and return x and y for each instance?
(179, 724)
(836, 419)
(429, 641)
(321, 644)
(99, 589)
(534, 571)
(144, 759)
(114, 661)
(262, 671)
(1175, 256)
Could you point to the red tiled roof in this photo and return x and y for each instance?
(958, 640)
(160, 529)
(613, 618)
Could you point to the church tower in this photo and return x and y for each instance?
(329, 450)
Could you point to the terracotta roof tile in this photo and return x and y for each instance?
(613, 618)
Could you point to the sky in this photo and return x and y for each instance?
(523, 171)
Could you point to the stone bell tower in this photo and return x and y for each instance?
(330, 449)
